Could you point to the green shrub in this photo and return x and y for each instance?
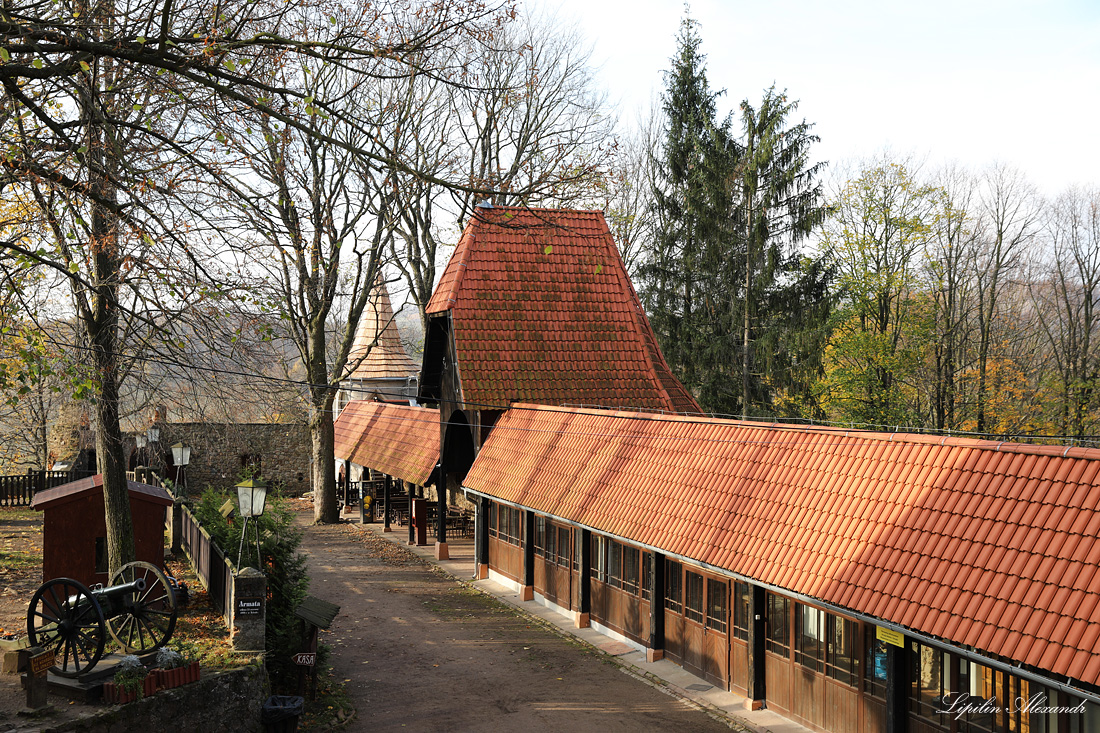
(284, 566)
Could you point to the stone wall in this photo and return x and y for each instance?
(220, 453)
(225, 702)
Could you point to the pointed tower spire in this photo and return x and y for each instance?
(379, 339)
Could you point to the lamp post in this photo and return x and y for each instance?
(251, 498)
(181, 456)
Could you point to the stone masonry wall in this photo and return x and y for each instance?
(220, 452)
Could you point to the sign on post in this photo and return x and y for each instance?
(305, 659)
(41, 663)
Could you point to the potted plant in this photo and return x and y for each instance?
(131, 682)
(174, 669)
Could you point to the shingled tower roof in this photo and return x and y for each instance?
(543, 311)
(379, 339)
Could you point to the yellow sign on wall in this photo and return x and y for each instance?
(890, 637)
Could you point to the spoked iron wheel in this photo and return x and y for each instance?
(66, 617)
(148, 617)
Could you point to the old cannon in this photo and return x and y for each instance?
(138, 610)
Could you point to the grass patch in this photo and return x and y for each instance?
(17, 560)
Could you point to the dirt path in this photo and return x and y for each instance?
(424, 652)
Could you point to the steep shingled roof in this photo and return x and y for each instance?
(988, 545)
(378, 338)
(398, 440)
(543, 311)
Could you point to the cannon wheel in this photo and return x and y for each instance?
(66, 617)
(149, 617)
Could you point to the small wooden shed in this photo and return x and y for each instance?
(74, 531)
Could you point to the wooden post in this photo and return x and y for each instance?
(527, 592)
(38, 666)
(481, 539)
(758, 629)
(412, 528)
(584, 614)
(386, 503)
(897, 688)
(656, 648)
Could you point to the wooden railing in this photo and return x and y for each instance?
(214, 570)
(20, 490)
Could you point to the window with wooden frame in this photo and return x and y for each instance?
(564, 546)
(693, 596)
(599, 558)
(510, 525)
(631, 569)
(540, 536)
(809, 639)
(674, 584)
(614, 563)
(742, 610)
(717, 605)
(647, 576)
(493, 519)
(931, 680)
(778, 639)
(841, 663)
(874, 682)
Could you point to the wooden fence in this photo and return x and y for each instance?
(20, 490)
(214, 570)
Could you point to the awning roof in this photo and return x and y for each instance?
(398, 440)
(987, 545)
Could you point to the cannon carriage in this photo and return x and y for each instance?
(137, 611)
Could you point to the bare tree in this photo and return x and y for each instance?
(98, 119)
(518, 122)
(1069, 305)
(1009, 224)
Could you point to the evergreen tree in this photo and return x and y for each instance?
(739, 314)
(692, 220)
(785, 296)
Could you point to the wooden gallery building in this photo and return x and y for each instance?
(852, 581)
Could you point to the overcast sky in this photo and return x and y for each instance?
(972, 81)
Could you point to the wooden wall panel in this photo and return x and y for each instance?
(777, 681)
(841, 708)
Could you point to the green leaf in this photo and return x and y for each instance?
(82, 149)
(547, 250)
(231, 64)
(4, 54)
(141, 39)
(599, 269)
(37, 63)
(137, 107)
(73, 267)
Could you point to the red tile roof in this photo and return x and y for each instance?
(398, 440)
(958, 539)
(543, 311)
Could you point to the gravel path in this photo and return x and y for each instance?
(424, 652)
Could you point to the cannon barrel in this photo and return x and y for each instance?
(113, 592)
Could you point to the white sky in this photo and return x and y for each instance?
(970, 81)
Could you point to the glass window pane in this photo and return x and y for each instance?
(779, 634)
(630, 569)
(717, 605)
(742, 609)
(673, 585)
(693, 596)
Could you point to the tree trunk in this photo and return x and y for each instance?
(325, 508)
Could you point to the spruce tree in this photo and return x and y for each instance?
(739, 313)
(692, 218)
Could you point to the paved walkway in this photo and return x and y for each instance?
(663, 673)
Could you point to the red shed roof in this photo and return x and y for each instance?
(988, 545)
(73, 489)
(398, 440)
(543, 311)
